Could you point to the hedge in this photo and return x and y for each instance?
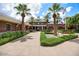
(44, 41)
(9, 36)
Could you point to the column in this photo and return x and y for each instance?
(35, 28)
(42, 27)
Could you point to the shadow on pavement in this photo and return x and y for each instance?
(3, 54)
(23, 39)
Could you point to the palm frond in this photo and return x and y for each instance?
(17, 13)
(22, 8)
(27, 9)
(50, 9)
(18, 8)
(28, 13)
(59, 9)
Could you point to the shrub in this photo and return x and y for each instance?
(54, 41)
(69, 31)
(43, 36)
(77, 31)
(9, 36)
(47, 31)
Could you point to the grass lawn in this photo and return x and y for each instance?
(9, 36)
(44, 41)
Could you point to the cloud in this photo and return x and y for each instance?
(68, 9)
(8, 8)
(35, 8)
(62, 15)
(44, 13)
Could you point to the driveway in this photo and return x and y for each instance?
(29, 45)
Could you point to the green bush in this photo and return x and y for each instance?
(77, 31)
(54, 41)
(69, 31)
(42, 36)
(47, 31)
(9, 36)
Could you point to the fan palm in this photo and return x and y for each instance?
(23, 11)
(70, 21)
(58, 18)
(76, 20)
(46, 19)
(32, 19)
(55, 9)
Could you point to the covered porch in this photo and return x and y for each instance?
(38, 27)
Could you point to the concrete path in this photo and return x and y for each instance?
(29, 45)
(69, 48)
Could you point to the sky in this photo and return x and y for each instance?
(38, 9)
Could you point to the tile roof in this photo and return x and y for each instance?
(4, 17)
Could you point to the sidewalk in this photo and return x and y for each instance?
(29, 45)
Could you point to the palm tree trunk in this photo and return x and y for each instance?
(55, 27)
(47, 25)
(65, 26)
(23, 26)
(77, 26)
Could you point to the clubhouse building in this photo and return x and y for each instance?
(10, 24)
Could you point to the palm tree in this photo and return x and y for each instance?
(46, 19)
(55, 9)
(66, 21)
(38, 19)
(73, 21)
(23, 11)
(70, 21)
(76, 21)
(58, 18)
(32, 19)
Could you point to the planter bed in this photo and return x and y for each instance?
(44, 41)
(9, 36)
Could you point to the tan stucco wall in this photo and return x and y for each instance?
(3, 26)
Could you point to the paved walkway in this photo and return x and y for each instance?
(29, 45)
(69, 48)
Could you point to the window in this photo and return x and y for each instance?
(8, 27)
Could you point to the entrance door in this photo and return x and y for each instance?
(38, 28)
